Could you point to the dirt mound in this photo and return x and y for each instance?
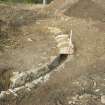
(88, 8)
(59, 5)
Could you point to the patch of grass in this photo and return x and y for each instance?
(3, 40)
(5, 80)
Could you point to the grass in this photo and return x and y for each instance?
(5, 80)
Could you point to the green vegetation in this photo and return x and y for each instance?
(25, 1)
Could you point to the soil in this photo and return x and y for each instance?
(27, 43)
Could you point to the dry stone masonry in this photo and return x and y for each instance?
(64, 41)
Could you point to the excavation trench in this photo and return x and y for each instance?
(25, 81)
(16, 84)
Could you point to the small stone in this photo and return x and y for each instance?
(103, 99)
(40, 64)
(80, 97)
(29, 85)
(7, 46)
(29, 39)
(46, 77)
(2, 94)
(75, 97)
(97, 90)
(74, 102)
(76, 83)
(69, 102)
(37, 22)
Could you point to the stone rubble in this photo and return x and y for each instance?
(16, 92)
(22, 78)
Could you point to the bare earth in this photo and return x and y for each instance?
(27, 44)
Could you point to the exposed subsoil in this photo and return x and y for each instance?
(26, 43)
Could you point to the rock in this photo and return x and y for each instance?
(29, 85)
(97, 90)
(29, 39)
(69, 102)
(18, 79)
(2, 94)
(103, 99)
